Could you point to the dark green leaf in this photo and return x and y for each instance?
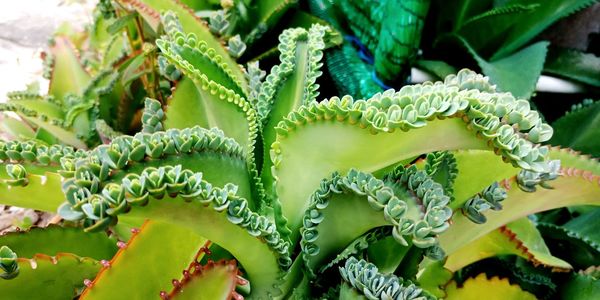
(579, 130)
(529, 26)
(583, 67)
(581, 287)
(120, 23)
(518, 73)
(486, 31)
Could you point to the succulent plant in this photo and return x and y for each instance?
(240, 184)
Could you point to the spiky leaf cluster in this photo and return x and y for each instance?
(31, 151)
(152, 117)
(8, 263)
(528, 180)
(488, 199)
(431, 197)
(365, 277)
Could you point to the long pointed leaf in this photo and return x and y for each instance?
(141, 270)
(518, 238)
(54, 239)
(53, 278)
(68, 75)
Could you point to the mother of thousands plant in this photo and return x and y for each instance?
(248, 187)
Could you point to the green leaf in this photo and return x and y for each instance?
(120, 23)
(535, 280)
(410, 265)
(98, 35)
(61, 133)
(305, 20)
(433, 277)
(493, 289)
(255, 256)
(573, 188)
(40, 107)
(269, 11)
(387, 254)
(458, 12)
(292, 83)
(220, 159)
(529, 63)
(202, 59)
(200, 5)
(301, 290)
(574, 159)
(68, 75)
(212, 212)
(529, 26)
(404, 201)
(581, 226)
(54, 239)
(215, 282)
(486, 30)
(46, 137)
(335, 226)
(517, 238)
(132, 70)
(570, 246)
(580, 287)
(334, 132)
(476, 170)
(47, 113)
(578, 241)
(221, 107)
(267, 14)
(33, 155)
(141, 270)
(218, 169)
(576, 65)
(114, 51)
(266, 47)
(358, 246)
(184, 107)
(525, 231)
(42, 192)
(348, 293)
(16, 128)
(578, 129)
(53, 278)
